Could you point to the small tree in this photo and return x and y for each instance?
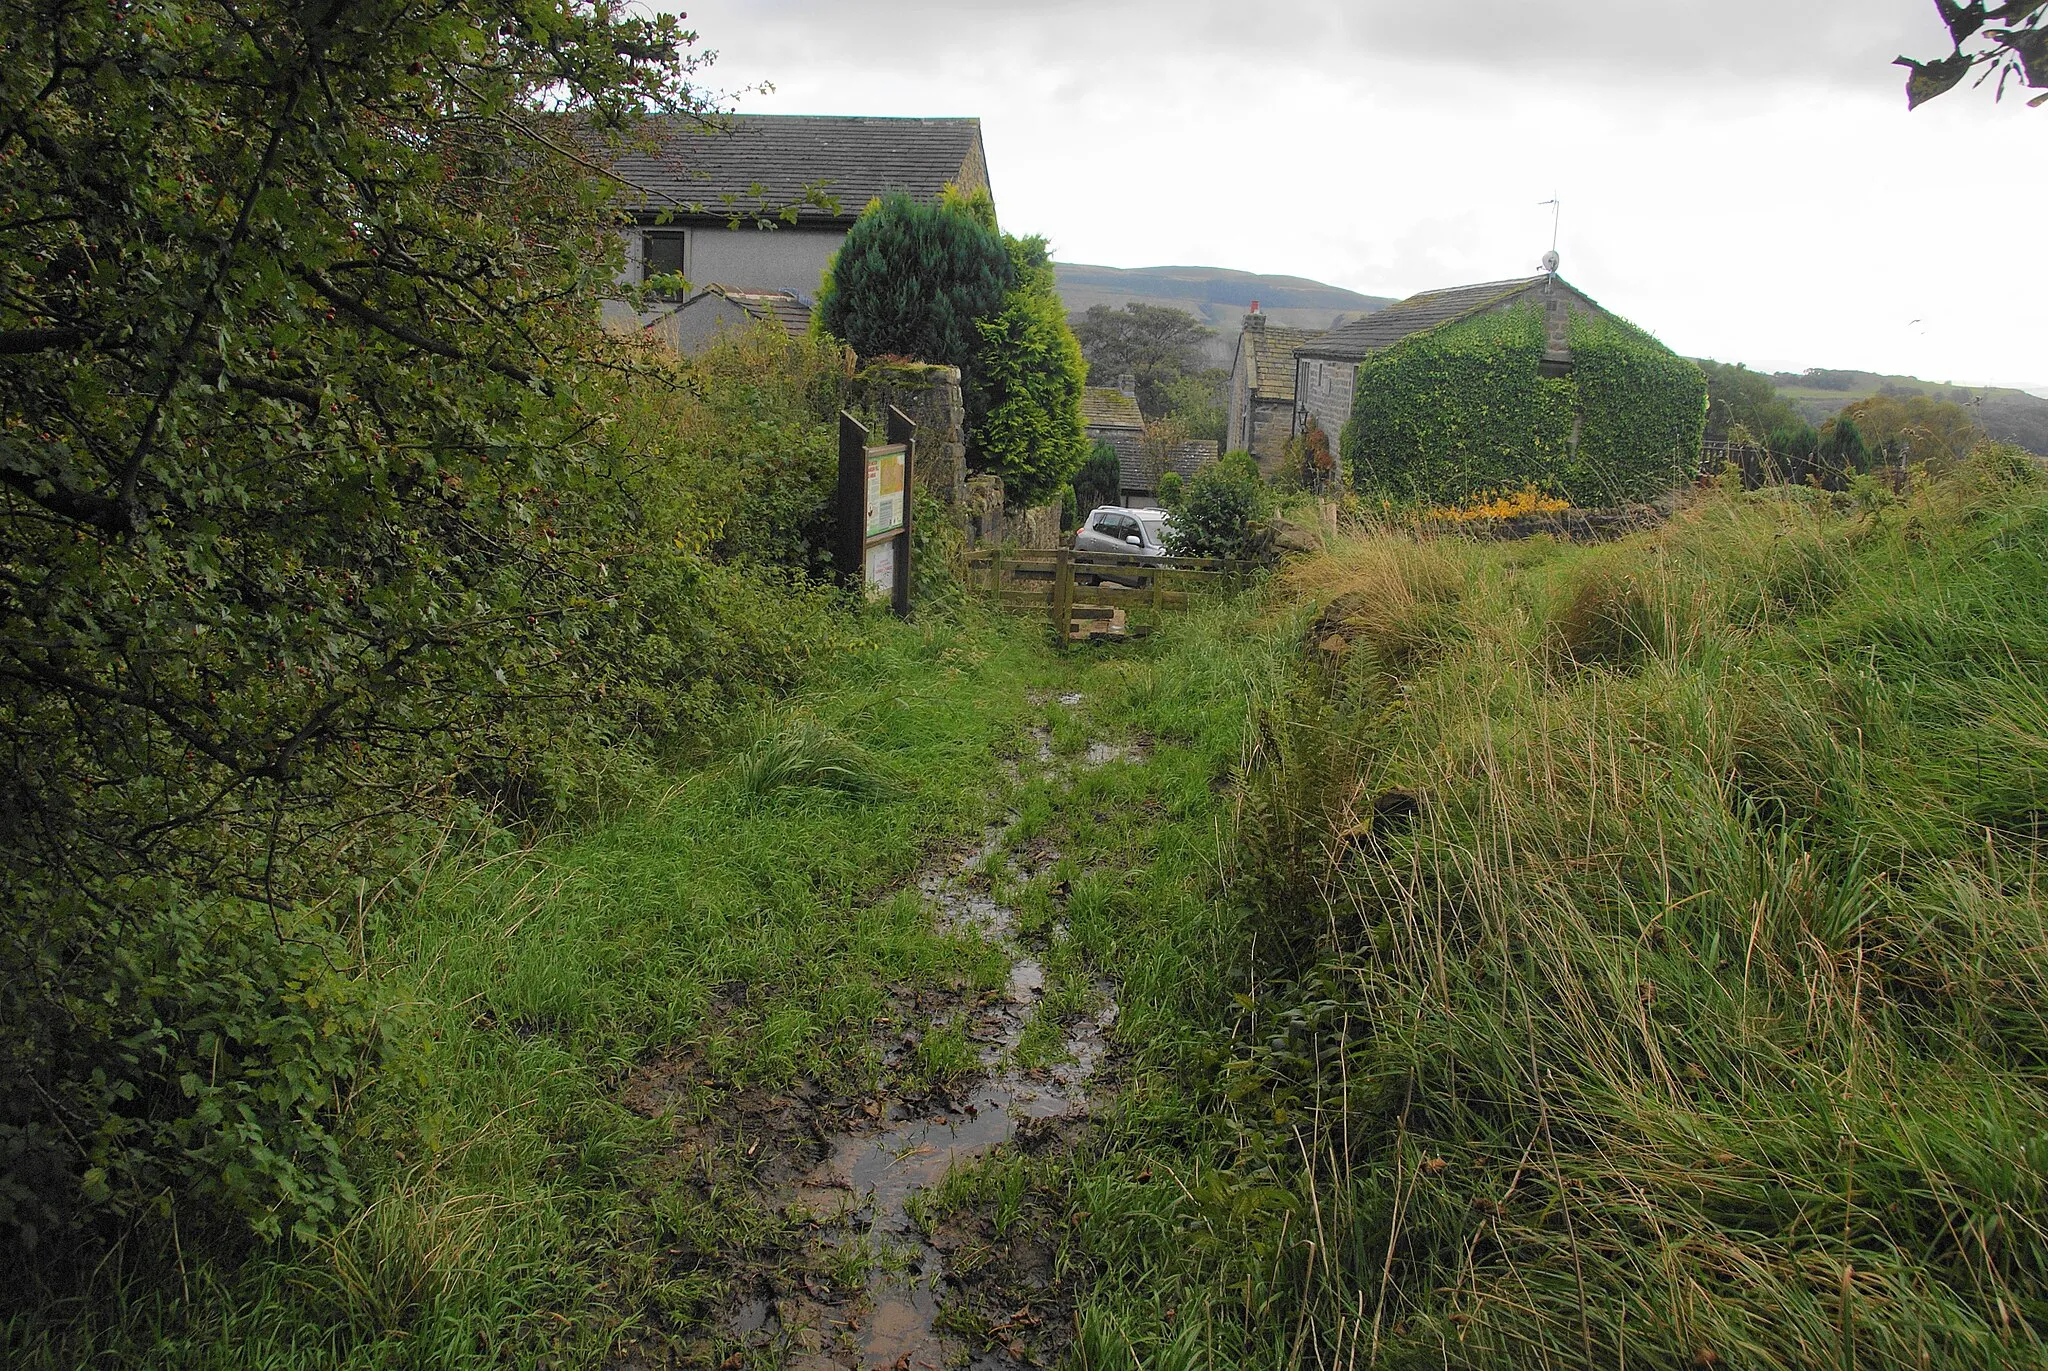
(1027, 386)
(1310, 459)
(914, 280)
(1841, 453)
(1100, 480)
(1171, 488)
(1155, 345)
(1222, 513)
(1793, 447)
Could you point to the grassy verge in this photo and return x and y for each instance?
(1653, 970)
(752, 911)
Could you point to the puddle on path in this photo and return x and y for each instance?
(865, 1186)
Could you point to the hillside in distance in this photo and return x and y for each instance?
(1215, 295)
(2012, 416)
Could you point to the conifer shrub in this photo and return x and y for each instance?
(914, 280)
(1100, 480)
(1024, 407)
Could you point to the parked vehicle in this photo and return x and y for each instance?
(1117, 531)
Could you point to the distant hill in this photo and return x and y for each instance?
(1216, 296)
(2012, 416)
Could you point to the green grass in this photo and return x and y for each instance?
(753, 911)
(1701, 1019)
(1699, 1016)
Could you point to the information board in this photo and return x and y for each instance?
(886, 501)
(881, 571)
(873, 546)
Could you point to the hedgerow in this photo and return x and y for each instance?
(327, 514)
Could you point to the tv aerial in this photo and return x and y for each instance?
(1556, 207)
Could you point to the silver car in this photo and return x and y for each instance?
(1117, 531)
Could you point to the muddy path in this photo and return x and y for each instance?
(873, 1286)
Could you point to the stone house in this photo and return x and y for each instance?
(1109, 414)
(699, 321)
(1326, 367)
(709, 196)
(1260, 416)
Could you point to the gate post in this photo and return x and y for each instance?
(1063, 596)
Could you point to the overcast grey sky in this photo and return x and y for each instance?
(1741, 177)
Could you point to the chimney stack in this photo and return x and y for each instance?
(1255, 320)
(1128, 384)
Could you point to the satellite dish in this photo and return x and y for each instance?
(1550, 261)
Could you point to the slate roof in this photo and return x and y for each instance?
(1273, 352)
(1107, 407)
(785, 307)
(716, 168)
(1190, 457)
(1378, 331)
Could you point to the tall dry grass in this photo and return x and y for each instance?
(1700, 1016)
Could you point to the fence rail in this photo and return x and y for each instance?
(1092, 594)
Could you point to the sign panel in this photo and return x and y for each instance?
(887, 502)
(881, 571)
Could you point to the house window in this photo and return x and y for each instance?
(662, 254)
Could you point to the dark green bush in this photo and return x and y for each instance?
(1221, 513)
(1100, 480)
(913, 280)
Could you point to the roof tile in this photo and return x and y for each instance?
(1380, 330)
(756, 163)
(1106, 407)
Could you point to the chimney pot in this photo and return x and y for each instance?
(1254, 319)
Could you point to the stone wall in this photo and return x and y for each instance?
(1324, 389)
(981, 511)
(930, 395)
(1272, 426)
(1039, 529)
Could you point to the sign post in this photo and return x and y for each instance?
(874, 509)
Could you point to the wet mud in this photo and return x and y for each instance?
(852, 1170)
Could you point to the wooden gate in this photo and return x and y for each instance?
(1094, 594)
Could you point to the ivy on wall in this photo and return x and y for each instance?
(1461, 411)
(1643, 412)
(1447, 414)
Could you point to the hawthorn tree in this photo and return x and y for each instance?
(2008, 41)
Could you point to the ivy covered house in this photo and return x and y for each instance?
(1494, 387)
